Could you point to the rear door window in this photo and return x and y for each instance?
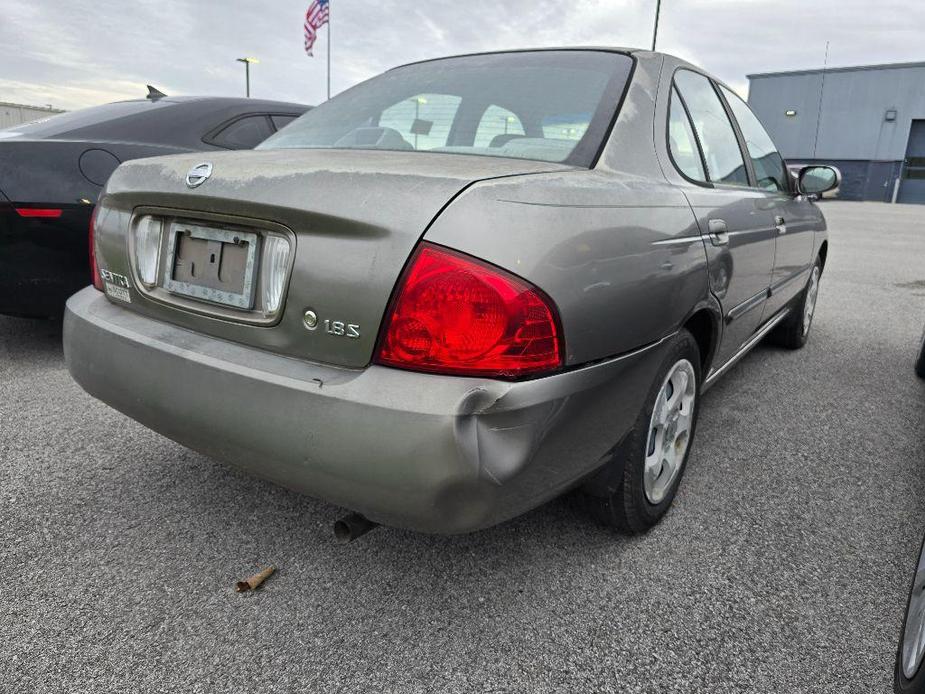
(681, 141)
(770, 171)
(714, 129)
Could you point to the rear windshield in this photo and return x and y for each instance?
(66, 123)
(554, 106)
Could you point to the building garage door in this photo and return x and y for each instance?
(912, 188)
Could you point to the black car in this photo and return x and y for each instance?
(51, 172)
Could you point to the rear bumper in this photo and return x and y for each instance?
(425, 452)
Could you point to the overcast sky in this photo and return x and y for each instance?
(74, 53)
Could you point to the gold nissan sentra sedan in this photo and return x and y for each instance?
(458, 289)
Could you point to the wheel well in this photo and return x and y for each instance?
(701, 326)
(823, 252)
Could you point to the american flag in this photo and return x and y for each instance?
(315, 18)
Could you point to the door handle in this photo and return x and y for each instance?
(719, 232)
(781, 224)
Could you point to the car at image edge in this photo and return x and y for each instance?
(920, 360)
(908, 674)
(459, 289)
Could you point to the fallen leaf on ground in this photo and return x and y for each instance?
(254, 581)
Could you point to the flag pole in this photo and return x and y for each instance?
(329, 50)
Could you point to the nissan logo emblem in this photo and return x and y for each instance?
(199, 174)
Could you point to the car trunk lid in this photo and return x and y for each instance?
(354, 217)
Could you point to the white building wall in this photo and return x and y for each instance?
(16, 114)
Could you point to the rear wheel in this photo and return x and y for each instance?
(909, 674)
(793, 332)
(638, 485)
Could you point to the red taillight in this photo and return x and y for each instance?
(38, 212)
(456, 315)
(94, 268)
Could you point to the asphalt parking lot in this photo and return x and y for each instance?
(782, 568)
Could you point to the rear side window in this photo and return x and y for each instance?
(244, 133)
(714, 129)
(766, 160)
(681, 141)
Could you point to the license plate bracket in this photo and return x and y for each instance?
(211, 264)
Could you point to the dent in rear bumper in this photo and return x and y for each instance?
(430, 453)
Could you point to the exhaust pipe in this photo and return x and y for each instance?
(351, 527)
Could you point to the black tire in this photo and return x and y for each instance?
(916, 685)
(920, 362)
(791, 333)
(616, 495)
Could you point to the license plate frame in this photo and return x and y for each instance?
(242, 300)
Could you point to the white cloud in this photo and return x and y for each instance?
(78, 53)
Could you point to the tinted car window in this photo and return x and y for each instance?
(768, 163)
(244, 133)
(99, 117)
(280, 122)
(564, 100)
(681, 141)
(714, 129)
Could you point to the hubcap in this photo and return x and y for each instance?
(669, 430)
(914, 634)
(809, 306)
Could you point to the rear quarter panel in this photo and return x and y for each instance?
(595, 242)
(606, 244)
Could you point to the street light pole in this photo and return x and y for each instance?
(658, 8)
(247, 72)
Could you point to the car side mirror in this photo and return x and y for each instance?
(815, 180)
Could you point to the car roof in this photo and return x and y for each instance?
(544, 49)
(183, 122)
(218, 100)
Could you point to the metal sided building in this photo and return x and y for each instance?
(16, 114)
(869, 121)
